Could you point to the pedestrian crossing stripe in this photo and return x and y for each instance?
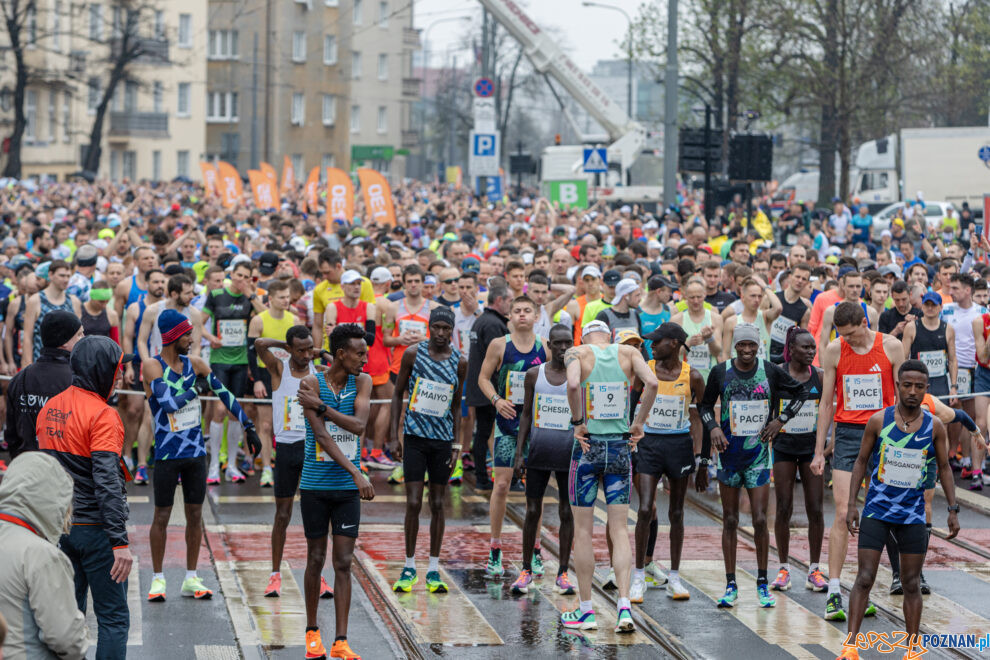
(280, 621)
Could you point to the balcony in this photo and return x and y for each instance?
(410, 139)
(154, 51)
(410, 87)
(410, 38)
(139, 124)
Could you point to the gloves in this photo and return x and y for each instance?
(203, 385)
(253, 441)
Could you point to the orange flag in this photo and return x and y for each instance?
(377, 196)
(231, 188)
(209, 178)
(340, 196)
(263, 189)
(311, 197)
(288, 175)
(271, 175)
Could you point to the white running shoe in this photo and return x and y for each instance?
(234, 475)
(213, 476)
(637, 591)
(677, 591)
(654, 575)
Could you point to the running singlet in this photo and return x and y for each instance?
(510, 381)
(961, 320)
(763, 352)
(287, 415)
(669, 414)
(377, 363)
(797, 436)
(700, 357)
(865, 383)
(412, 321)
(931, 347)
(986, 334)
(178, 434)
(791, 314)
(551, 436)
(231, 313)
(431, 397)
(95, 325)
(900, 463)
(648, 323)
(320, 471)
(136, 293)
(745, 409)
(606, 393)
(274, 328)
(47, 306)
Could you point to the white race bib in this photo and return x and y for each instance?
(778, 331)
(293, 419)
(964, 381)
(185, 418)
(667, 413)
(805, 421)
(902, 468)
(551, 411)
(412, 325)
(346, 442)
(515, 387)
(430, 397)
(699, 357)
(935, 361)
(862, 392)
(233, 332)
(748, 418)
(606, 400)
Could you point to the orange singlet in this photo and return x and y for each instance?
(406, 320)
(865, 383)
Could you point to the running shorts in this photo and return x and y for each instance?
(165, 477)
(607, 459)
(848, 438)
(422, 456)
(324, 511)
(288, 467)
(233, 376)
(664, 454)
(912, 539)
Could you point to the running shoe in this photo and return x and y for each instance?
(967, 472)
(314, 646)
(267, 481)
(485, 485)
(467, 460)
(655, 577)
(325, 590)
(194, 588)
(234, 475)
(141, 475)
(213, 477)
(977, 482)
(849, 653)
(396, 476)
(157, 592)
(517, 486)
(637, 590)
(537, 563)
(457, 474)
(676, 590)
(871, 609)
(783, 580)
(925, 588)
(274, 587)
(406, 580)
(833, 608)
(896, 589)
(434, 584)
(494, 568)
(955, 464)
(624, 621)
(247, 466)
(730, 596)
(816, 581)
(578, 620)
(341, 649)
(377, 460)
(610, 581)
(763, 592)
(521, 585)
(564, 586)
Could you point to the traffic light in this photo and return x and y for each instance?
(750, 157)
(691, 150)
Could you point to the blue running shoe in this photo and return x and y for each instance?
(763, 591)
(575, 619)
(728, 599)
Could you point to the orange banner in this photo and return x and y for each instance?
(377, 196)
(263, 189)
(231, 188)
(209, 178)
(340, 196)
(310, 192)
(288, 175)
(272, 176)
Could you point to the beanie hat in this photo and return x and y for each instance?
(172, 325)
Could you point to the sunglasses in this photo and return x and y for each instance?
(452, 280)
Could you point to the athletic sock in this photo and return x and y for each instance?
(730, 578)
(274, 573)
(190, 574)
(216, 436)
(536, 547)
(340, 638)
(812, 568)
(623, 603)
(586, 606)
(434, 564)
(561, 570)
(761, 576)
(673, 576)
(496, 543)
(411, 563)
(234, 435)
(312, 628)
(833, 586)
(786, 567)
(158, 576)
(651, 541)
(639, 574)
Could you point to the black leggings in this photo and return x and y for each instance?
(484, 417)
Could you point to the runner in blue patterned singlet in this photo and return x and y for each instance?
(46, 305)
(901, 445)
(433, 373)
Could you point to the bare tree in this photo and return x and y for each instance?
(20, 21)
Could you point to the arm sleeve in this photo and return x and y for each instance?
(61, 626)
(106, 442)
(166, 399)
(253, 360)
(229, 401)
(783, 385)
(965, 420)
(712, 390)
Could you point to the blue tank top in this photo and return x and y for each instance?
(320, 471)
(136, 293)
(647, 324)
(45, 307)
(430, 412)
(832, 334)
(900, 462)
(511, 379)
(137, 327)
(178, 434)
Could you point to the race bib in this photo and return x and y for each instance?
(515, 387)
(551, 411)
(430, 397)
(902, 468)
(412, 325)
(935, 361)
(862, 392)
(805, 421)
(346, 442)
(185, 418)
(293, 419)
(748, 418)
(699, 357)
(606, 400)
(667, 413)
(233, 332)
(964, 381)
(465, 339)
(778, 331)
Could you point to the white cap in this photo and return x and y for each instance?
(653, 244)
(298, 243)
(591, 271)
(595, 326)
(527, 257)
(239, 259)
(381, 275)
(350, 276)
(623, 288)
(625, 209)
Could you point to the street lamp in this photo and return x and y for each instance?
(629, 70)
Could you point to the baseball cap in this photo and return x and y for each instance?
(350, 276)
(625, 208)
(622, 289)
(267, 263)
(628, 336)
(846, 269)
(611, 277)
(594, 326)
(380, 275)
(591, 271)
(931, 297)
(668, 330)
(659, 281)
(471, 265)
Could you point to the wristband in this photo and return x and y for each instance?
(455, 446)
(495, 399)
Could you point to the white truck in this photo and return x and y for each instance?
(940, 163)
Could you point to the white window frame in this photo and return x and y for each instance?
(222, 108)
(158, 96)
(31, 116)
(331, 3)
(96, 21)
(381, 123)
(330, 49)
(156, 165)
(298, 47)
(183, 109)
(52, 115)
(57, 26)
(297, 166)
(355, 119)
(356, 65)
(383, 13)
(185, 36)
(66, 117)
(297, 110)
(182, 162)
(223, 45)
(329, 109)
(357, 10)
(159, 24)
(382, 66)
(31, 26)
(326, 160)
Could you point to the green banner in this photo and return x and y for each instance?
(569, 193)
(361, 152)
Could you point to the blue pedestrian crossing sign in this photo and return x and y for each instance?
(595, 160)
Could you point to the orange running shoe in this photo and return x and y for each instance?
(274, 587)
(325, 590)
(849, 653)
(314, 646)
(340, 649)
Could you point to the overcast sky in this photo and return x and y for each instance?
(591, 33)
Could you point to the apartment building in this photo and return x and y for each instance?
(155, 126)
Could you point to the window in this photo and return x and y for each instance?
(130, 96)
(383, 14)
(182, 163)
(357, 12)
(223, 45)
(329, 49)
(297, 165)
(355, 65)
(57, 26)
(159, 24)
(298, 115)
(298, 46)
(158, 97)
(182, 108)
(382, 66)
(92, 94)
(66, 118)
(31, 23)
(156, 165)
(382, 119)
(52, 116)
(96, 22)
(329, 109)
(327, 161)
(331, 3)
(221, 107)
(114, 164)
(355, 118)
(129, 162)
(117, 22)
(30, 115)
(185, 31)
